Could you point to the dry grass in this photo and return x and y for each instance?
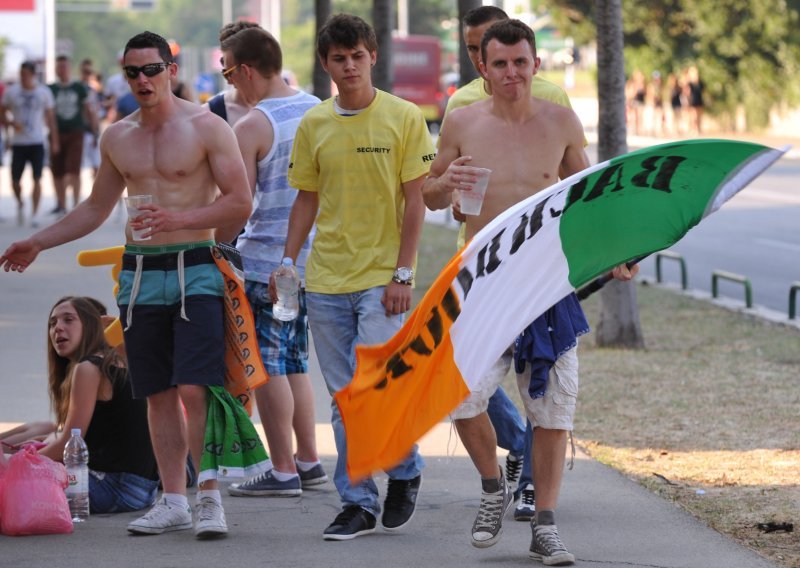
(707, 416)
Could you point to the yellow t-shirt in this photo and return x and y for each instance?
(357, 165)
(475, 91)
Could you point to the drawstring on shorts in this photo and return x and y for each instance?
(137, 281)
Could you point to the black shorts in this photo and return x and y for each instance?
(164, 349)
(23, 154)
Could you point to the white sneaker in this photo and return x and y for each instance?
(209, 519)
(162, 518)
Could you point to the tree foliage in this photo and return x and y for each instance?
(748, 53)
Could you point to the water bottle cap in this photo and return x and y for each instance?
(287, 261)
(76, 431)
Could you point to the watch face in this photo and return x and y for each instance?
(405, 274)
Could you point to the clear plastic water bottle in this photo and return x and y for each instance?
(287, 281)
(76, 460)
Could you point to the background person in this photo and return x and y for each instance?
(28, 108)
(75, 115)
(265, 136)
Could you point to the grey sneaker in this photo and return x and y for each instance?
(526, 508)
(513, 469)
(488, 525)
(266, 485)
(209, 519)
(547, 546)
(314, 476)
(162, 518)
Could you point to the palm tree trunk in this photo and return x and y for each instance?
(383, 21)
(619, 324)
(321, 80)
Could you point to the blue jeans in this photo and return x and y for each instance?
(512, 435)
(338, 323)
(526, 475)
(120, 492)
(507, 422)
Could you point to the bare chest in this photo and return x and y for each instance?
(525, 157)
(165, 155)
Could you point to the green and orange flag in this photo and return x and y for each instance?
(522, 263)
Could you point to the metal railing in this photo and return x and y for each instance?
(718, 275)
(793, 299)
(673, 256)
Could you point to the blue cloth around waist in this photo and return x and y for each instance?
(549, 336)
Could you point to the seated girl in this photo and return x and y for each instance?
(90, 390)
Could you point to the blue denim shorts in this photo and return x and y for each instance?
(283, 344)
(120, 492)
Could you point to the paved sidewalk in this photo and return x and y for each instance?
(604, 519)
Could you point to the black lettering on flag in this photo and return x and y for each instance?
(537, 218)
(519, 234)
(575, 193)
(607, 176)
(465, 280)
(450, 304)
(484, 267)
(663, 175)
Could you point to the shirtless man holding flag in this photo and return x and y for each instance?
(526, 142)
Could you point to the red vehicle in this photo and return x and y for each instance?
(417, 69)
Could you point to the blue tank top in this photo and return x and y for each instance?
(264, 236)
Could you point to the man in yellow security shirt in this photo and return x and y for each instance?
(359, 161)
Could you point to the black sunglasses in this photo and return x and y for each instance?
(149, 70)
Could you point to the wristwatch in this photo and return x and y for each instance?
(403, 275)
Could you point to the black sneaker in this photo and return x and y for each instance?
(526, 508)
(400, 503)
(353, 521)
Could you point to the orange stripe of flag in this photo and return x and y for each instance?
(402, 388)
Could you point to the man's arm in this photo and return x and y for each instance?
(255, 136)
(91, 118)
(575, 158)
(254, 140)
(301, 219)
(52, 126)
(82, 220)
(449, 170)
(397, 297)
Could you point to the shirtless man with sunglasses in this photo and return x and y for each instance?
(170, 293)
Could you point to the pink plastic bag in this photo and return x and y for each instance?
(3, 466)
(34, 501)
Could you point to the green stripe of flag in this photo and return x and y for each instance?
(644, 201)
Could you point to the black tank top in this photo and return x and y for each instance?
(118, 437)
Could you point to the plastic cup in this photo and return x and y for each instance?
(472, 200)
(132, 204)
